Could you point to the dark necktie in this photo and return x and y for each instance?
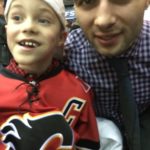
(128, 106)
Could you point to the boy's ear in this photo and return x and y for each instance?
(63, 37)
(59, 54)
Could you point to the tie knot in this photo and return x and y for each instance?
(120, 65)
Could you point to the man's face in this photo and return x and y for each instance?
(111, 25)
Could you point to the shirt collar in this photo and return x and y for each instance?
(13, 67)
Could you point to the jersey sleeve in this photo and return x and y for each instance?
(86, 129)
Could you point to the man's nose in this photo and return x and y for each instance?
(105, 16)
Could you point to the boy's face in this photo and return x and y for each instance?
(34, 33)
(111, 25)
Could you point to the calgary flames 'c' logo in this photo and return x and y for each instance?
(48, 131)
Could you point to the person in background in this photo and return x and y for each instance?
(111, 29)
(4, 54)
(1, 7)
(42, 105)
(75, 25)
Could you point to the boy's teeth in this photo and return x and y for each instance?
(29, 44)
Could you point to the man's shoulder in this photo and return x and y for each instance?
(74, 80)
(76, 32)
(76, 41)
(76, 35)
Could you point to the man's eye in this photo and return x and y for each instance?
(85, 2)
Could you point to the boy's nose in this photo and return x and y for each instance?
(29, 26)
(105, 17)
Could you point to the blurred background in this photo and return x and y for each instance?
(147, 13)
(70, 15)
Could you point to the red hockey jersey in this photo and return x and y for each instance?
(32, 112)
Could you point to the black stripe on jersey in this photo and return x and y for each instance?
(49, 74)
(89, 144)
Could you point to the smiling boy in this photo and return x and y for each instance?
(36, 92)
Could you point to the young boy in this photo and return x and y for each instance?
(35, 90)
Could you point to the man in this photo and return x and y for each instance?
(111, 29)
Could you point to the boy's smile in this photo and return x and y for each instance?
(29, 43)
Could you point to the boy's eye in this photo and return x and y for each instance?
(16, 18)
(44, 21)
